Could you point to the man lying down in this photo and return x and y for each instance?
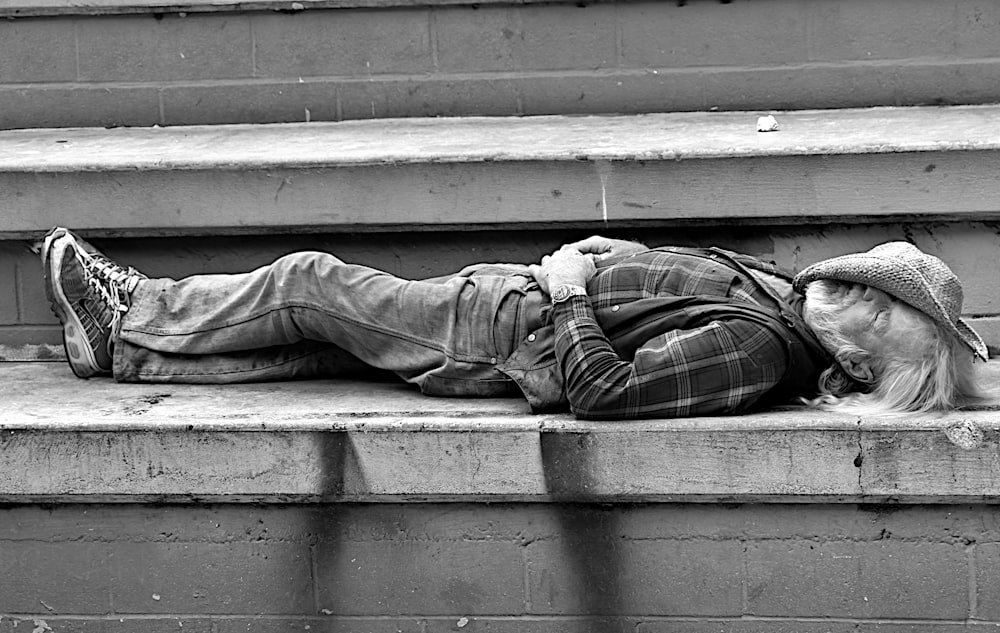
(606, 328)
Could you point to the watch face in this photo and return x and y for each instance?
(563, 293)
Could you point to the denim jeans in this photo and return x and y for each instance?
(310, 314)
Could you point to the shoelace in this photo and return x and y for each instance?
(112, 282)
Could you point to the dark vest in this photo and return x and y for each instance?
(535, 368)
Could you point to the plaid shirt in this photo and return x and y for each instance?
(722, 367)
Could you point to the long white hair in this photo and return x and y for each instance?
(942, 378)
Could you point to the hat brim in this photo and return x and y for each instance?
(971, 338)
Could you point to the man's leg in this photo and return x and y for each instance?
(307, 359)
(263, 318)
(385, 321)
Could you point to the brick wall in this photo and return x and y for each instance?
(500, 567)
(494, 59)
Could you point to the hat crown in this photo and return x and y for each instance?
(920, 278)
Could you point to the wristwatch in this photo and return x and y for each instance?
(564, 292)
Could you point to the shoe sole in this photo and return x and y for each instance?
(75, 341)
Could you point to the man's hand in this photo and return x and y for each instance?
(605, 248)
(565, 267)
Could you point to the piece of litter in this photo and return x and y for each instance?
(767, 124)
(41, 626)
(156, 596)
(462, 622)
(326, 612)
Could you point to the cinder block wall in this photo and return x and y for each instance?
(427, 568)
(493, 58)
(970, 248)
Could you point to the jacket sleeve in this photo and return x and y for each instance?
(723, 367)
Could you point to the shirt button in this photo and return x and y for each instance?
(615, 308)
(531, 338)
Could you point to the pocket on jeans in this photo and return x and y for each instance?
(486, 319)
(451, 387)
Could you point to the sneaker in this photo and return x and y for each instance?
(89, 293)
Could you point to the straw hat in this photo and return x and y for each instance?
(905, 272)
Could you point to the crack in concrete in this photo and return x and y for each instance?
(859, 460)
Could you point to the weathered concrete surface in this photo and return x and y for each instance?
(63, 438)
(24, 8)
(658, 136)
(605, 172)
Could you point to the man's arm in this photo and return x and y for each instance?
(595, 248)
(603, 248)
(722, 367)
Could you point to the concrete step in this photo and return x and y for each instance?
(879, 164)
(64, 439)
